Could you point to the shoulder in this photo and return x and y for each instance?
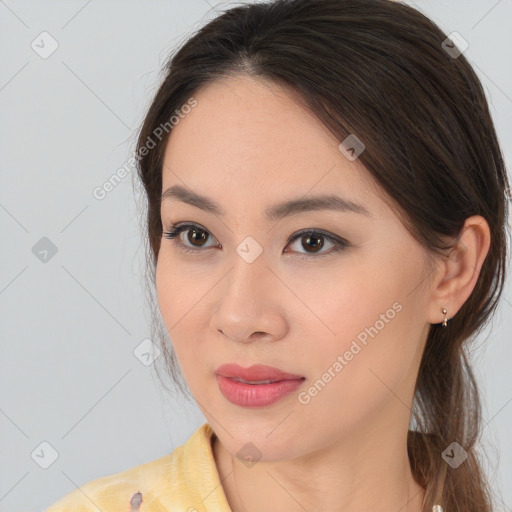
(119, 491)
(167, 483)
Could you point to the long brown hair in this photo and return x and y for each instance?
(381, 70)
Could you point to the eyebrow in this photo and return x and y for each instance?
(274, 212)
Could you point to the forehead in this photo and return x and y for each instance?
(252, 138)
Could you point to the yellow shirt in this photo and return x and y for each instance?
(185, 480)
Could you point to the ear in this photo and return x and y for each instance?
(457, 275)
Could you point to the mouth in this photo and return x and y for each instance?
(258, 382)
(259, 393)
(256, 374)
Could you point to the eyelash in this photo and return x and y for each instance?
(175, 230)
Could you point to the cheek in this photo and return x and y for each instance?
(357, 371)
(165, 283)
(182, 294)
(336, 302)
(180, 288)
(181, 299)
(363, 341)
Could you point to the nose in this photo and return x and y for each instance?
(250, 303)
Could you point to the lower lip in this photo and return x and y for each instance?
(255, 395)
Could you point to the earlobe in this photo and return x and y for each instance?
(459, 272)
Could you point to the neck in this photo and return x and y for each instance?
(368, 471)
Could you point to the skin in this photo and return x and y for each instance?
(248, 144)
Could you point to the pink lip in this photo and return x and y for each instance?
(256, 395)
(255, 372)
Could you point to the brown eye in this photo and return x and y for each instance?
(195, 239)
(314, 242)
(197, 236)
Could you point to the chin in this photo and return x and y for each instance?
(251, 446)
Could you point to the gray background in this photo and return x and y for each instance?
(69, 325)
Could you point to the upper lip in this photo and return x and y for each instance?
(255, 372)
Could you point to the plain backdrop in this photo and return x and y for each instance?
(73, 395)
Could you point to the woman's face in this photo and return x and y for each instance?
(350, 319)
